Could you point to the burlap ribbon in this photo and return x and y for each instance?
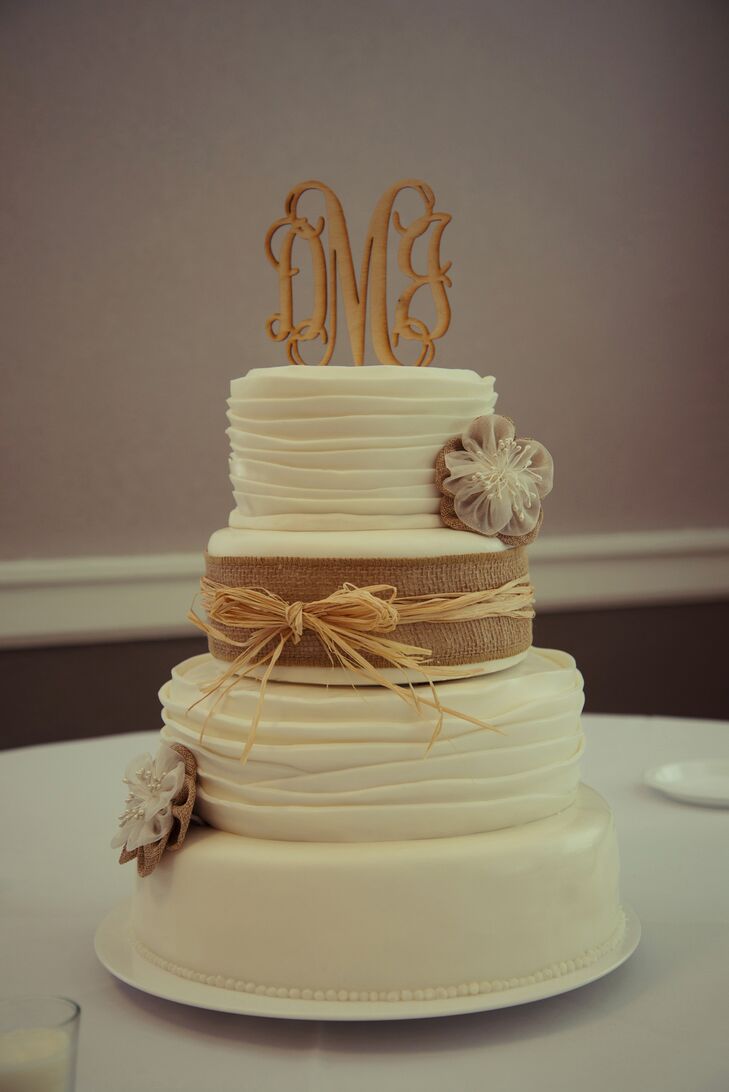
(476, 639)
(253, 626)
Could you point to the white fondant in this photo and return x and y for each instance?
(325, 449)
(352, 764)
(417, 917)
(434, 542)
(341, 676)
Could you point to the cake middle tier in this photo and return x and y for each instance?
(346, 764)
(461, 604)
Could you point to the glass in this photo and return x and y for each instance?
(38, 1041)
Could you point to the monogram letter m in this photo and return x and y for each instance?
(336, 266)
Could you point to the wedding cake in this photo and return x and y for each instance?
(368, 790)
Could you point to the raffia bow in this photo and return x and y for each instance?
(349, 624)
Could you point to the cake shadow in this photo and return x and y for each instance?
(517, 1023)
(573, 1012)
(291, 1035)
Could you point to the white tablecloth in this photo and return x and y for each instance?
(659, 1022)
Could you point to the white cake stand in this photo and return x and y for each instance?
(116, 952)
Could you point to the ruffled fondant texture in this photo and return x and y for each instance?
(345, 448)
(346, 764)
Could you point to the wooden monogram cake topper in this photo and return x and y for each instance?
(335, 266)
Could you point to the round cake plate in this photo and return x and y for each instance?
(116, 952)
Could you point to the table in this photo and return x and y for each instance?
(659, 1022)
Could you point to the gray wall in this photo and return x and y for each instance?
(581, 147)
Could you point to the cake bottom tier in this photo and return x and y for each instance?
(388, 920)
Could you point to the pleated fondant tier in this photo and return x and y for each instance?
(352, 764)
(345, 448)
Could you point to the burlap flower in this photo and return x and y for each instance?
(493, 483)
(158, 807)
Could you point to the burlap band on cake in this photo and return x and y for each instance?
(504, 630)
(433, 614)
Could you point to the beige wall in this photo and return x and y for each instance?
(581, 148)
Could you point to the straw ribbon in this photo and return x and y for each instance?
(350, 625)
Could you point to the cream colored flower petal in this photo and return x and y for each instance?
(150, 830)
(543, 464)
(484, 433)
(468, 485)
(157, 803)
(482, 513)
(141, 762)
(523, 526)
(460, 464)
(120, 838)
(172, 781)
(167, 761)
(129, 833)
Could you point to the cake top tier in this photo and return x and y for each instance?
(291, 380)
(342, 448)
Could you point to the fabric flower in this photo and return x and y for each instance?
(493, 483)
(158, 807)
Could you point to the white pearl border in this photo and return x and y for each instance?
(437, 993)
